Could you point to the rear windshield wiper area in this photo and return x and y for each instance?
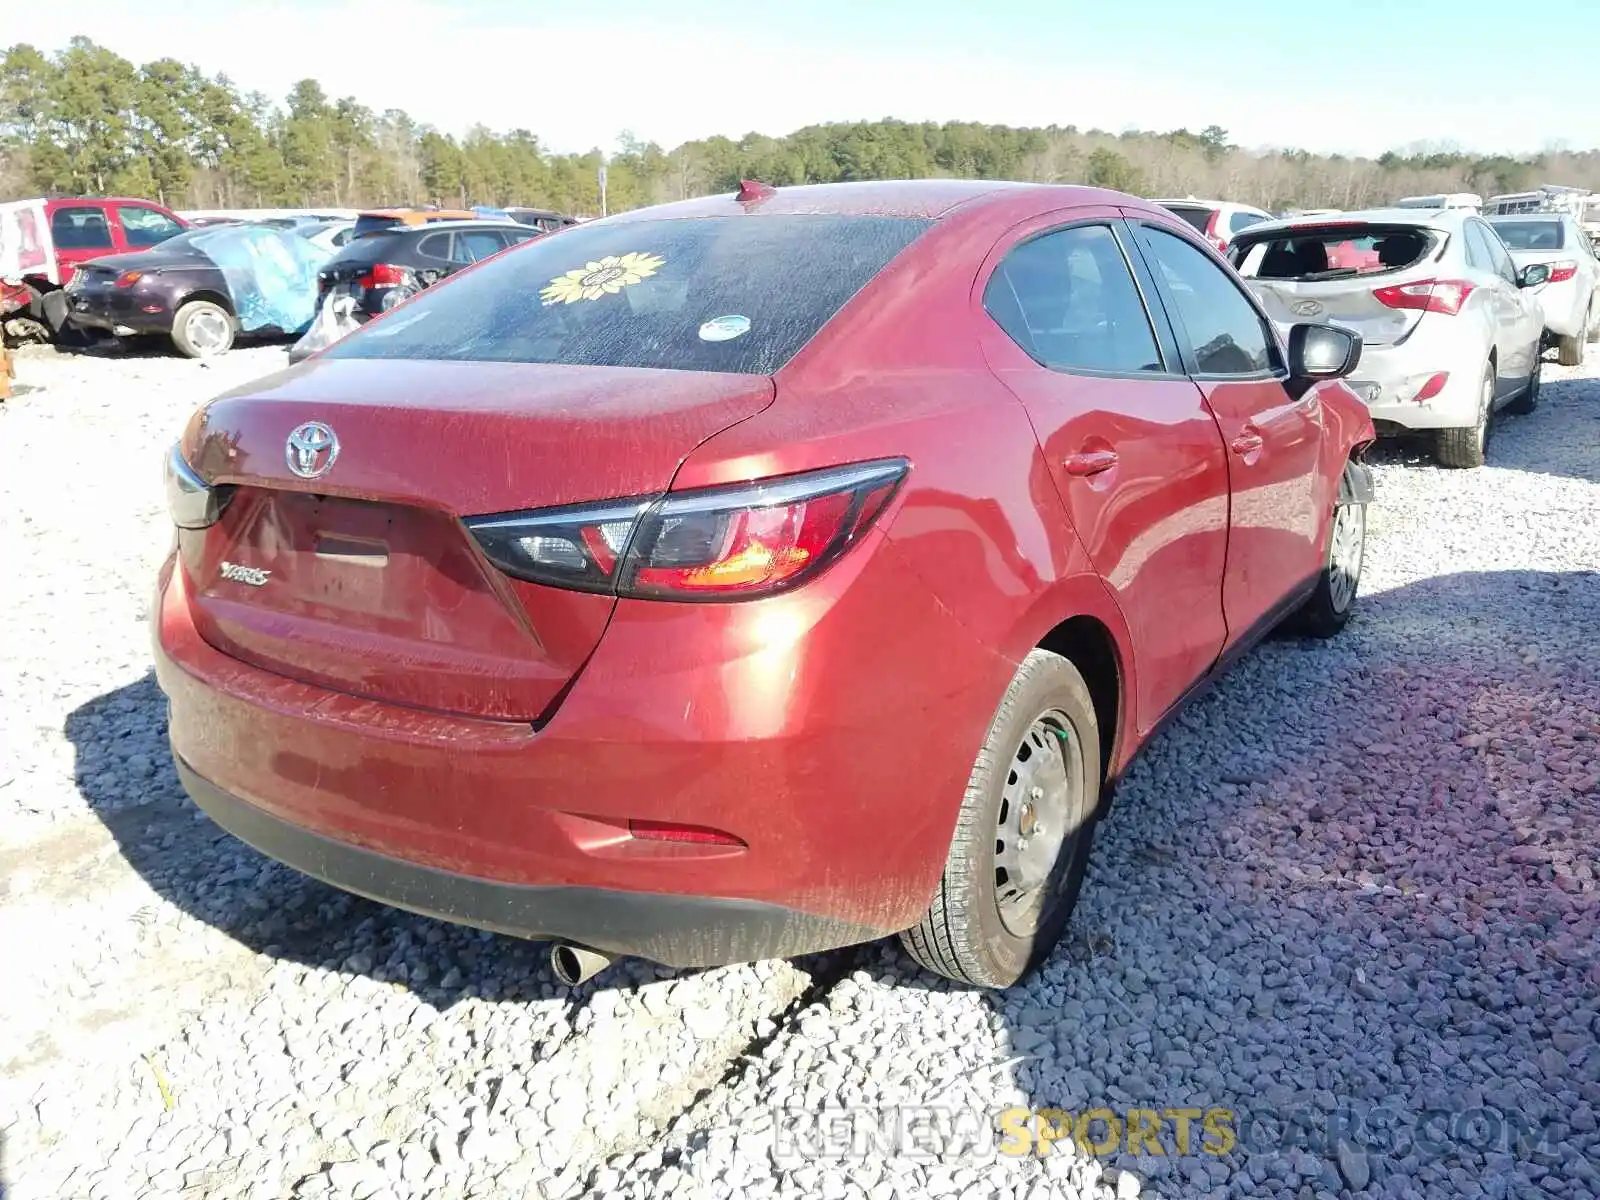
(1333, 273)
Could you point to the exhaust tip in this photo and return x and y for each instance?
(573, 965)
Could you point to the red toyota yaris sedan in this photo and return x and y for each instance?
(753, 575)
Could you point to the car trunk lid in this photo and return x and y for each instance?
(364, 580)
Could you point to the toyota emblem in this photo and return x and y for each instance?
(311, 449)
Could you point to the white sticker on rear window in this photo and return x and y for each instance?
(602, 277)
(724, 329)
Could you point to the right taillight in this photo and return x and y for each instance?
(384, 275)
(1560, 272)
(1428, 295)
(725, 543)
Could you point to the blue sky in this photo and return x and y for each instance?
(1335, 77)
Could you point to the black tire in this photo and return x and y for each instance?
(1569, 350)
(964, 935)
(1592, 331)
(1468, 446)
(1528, 399)
(1328, 609)
(202, 329)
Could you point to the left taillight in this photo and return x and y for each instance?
(724, 543)
(193, 503)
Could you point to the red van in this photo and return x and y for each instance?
(43, 241)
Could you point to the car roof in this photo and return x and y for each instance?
(1423, 218)
(1529, 216)
(454, 223)
(927, 199)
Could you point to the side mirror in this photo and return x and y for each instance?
(1533, 275)
(1318, 352)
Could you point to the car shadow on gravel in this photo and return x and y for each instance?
(1351, 945)
(124, 771)
(155, 346)
(1523, 442)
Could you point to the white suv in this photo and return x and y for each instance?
(1218, 220)
(1451, 328)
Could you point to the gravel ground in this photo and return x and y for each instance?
(1354, 886)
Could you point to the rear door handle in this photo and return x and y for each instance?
(1090, 462)
(1246, 443)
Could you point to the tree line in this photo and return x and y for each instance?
(86, 120)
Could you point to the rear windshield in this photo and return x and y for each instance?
(1530, 235)
(739, 294)
(1332, 253)
(1198, 217)
(375, 223)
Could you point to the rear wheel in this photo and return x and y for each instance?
(202, 329)
(1467, 446)
(1592, 329)
(1529, 399)
(1022, 838)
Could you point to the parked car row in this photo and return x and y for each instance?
(1454, 309)
(134, 269)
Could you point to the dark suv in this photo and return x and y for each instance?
(384, 267)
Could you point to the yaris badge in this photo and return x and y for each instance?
(239, 573)
(311, 449)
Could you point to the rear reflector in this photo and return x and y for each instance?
(1429, 295)
(1419, 389)
(671, 831)
(1560, 272)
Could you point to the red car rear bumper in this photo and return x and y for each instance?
(831, 730)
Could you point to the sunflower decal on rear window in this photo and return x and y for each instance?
(602, 277)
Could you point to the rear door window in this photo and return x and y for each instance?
(474, 245)
(80, 227)
(435, 246)
(1069, 300)
(1226, 335)
(738, 294)
(1479, 257)
(1498, 254)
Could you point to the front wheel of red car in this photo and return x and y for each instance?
(1022, 838)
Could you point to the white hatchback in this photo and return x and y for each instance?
(1451, 330)
(1570, 301)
